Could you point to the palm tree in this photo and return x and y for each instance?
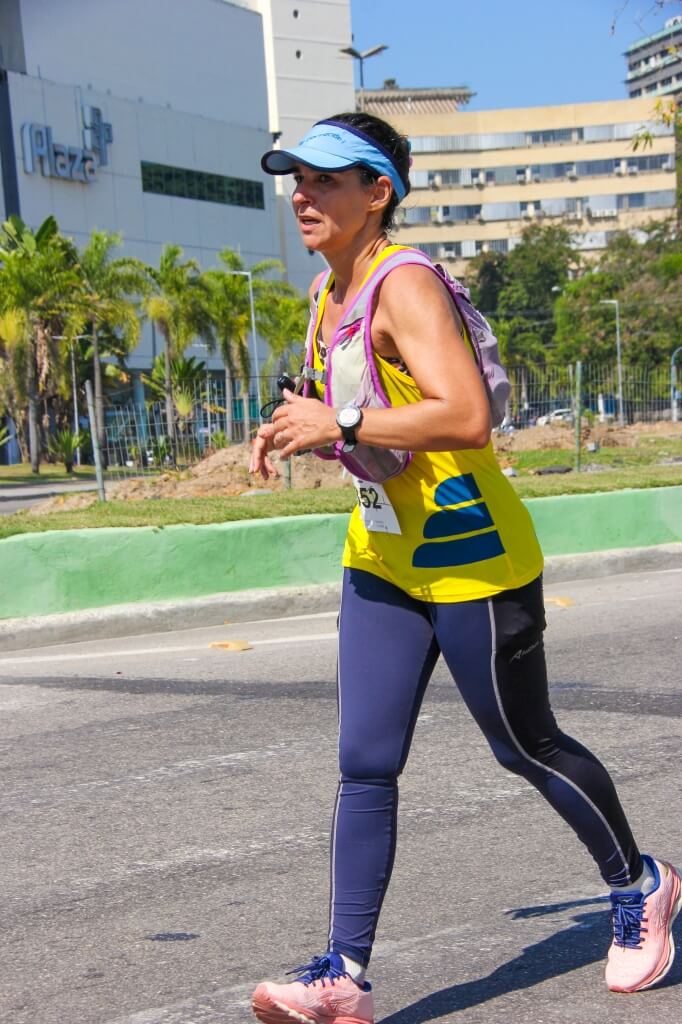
(40, 301)
(230, 306)
(283, 324)
(179, 307)
(112, 288)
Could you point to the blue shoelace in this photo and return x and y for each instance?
(321, 968)
(628, 919)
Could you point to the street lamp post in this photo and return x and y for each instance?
(673, 385)
(619, 362)
(362, 56)
(247, 274)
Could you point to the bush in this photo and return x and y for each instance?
(63, 445)
(219, 439)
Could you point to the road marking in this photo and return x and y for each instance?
(43, 659)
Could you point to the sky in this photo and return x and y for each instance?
(511, 54)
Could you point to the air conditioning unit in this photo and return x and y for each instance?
(468, 184)
(449, 253)
(669, 165)
(537, 179)
(621, 168)
(573, 215)
(633, 169)
(604, 214)
(476, 179)
(529, 212)
(436, 215)
(437, 182)
(521, 178)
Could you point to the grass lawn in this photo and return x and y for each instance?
(20, 475)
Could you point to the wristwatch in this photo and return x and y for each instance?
(349, 419)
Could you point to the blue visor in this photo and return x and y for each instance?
(331, 146)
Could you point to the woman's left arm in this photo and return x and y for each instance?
(414, 315)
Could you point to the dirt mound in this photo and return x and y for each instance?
(225, 472)
(562, 436)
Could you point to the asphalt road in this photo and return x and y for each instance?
(166, 807)
(18, 505)
(17, 498)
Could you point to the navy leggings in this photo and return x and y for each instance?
(388, 647)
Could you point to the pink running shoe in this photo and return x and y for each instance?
(324, 994)
(643, 948)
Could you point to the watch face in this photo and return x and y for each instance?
(349, 416)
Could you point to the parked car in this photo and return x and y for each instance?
(556, 416)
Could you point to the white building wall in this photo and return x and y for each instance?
(203, 57)
(230, 142)
(308, 79)
(182, 82)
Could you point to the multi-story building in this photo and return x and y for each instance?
(479, 177)
(655, 62)
(308, 78)
(150, 119)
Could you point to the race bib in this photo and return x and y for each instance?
(376, 510)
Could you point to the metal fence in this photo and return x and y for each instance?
(540, 391)
(138, 440)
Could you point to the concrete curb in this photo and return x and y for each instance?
(125, 620)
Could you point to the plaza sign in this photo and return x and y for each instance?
(70, 163)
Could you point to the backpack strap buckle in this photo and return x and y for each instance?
(310, 373)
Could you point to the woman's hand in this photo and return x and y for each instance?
(263, 443)
(302, 423)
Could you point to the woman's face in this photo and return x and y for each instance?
(334, 207)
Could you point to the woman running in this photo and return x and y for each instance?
(441, 558)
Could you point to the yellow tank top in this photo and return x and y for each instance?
(463, 533)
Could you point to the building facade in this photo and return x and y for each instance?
(308, 78)
(150, 119)
(479, 177)
(655, 62)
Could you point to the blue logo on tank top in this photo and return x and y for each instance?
(450, 523)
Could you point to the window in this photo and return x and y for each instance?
(501, 211)
(183, 183)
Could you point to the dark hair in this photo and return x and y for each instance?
(395, 144)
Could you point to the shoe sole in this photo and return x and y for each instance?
(272, 1012)
(660, 975)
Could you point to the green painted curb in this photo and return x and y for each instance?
(574, 523)
(66, 570)
(62, 571)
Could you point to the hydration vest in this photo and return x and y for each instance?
(350, 376)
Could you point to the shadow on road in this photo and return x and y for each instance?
(584, 942)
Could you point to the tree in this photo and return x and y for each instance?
(536, 271)
(112, 289)
(179, 307)
(645, 279)
(486, 277)
(230, 305)
(40, 302)
(283, 323)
